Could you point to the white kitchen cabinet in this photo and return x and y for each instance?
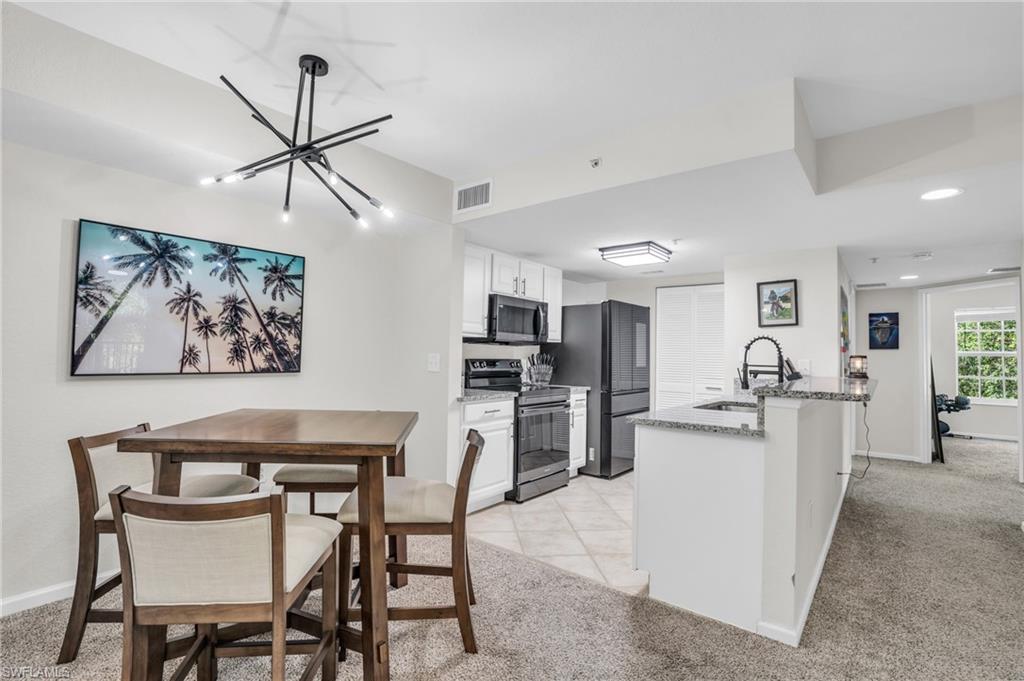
(504, 274)
(577, 433)
(476, 278)
(553, 297)
(531, 280)
(493, 475)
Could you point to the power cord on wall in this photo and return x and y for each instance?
(867, 452)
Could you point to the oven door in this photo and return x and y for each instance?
(542, 440)
(517, 321)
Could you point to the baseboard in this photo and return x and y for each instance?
(888, 455)
(47, 594)
(985, 436)
(789, 636)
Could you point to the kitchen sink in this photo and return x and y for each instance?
(745, 407)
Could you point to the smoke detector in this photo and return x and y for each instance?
(922, 256)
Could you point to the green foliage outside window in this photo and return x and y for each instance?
(987, 359)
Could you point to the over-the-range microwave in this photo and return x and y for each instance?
(514, 321)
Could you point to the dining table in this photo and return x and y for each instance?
(374, 441)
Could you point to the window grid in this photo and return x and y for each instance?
(986, 359)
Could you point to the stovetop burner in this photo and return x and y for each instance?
(507, 375)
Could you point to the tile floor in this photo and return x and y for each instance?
(585, 528)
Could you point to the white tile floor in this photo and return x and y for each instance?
(585, 528)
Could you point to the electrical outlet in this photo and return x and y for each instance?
(433, 362)
(591, 455)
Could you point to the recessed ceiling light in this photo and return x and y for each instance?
(944, 193)
(909, 276)
(630, 255)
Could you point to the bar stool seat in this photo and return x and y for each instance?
(211, 485)
(316, 473)
(407, 500)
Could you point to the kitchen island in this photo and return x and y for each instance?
(736, 501)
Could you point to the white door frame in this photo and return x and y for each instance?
(924, 368)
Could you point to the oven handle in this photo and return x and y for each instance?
(540, 411)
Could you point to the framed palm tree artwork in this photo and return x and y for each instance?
(155, 303)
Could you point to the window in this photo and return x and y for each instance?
(986, 355)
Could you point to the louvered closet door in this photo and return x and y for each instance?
(688, 345)
(673, 348)
(708, 341)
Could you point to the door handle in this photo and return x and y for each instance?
(572, 419)
(515, 285)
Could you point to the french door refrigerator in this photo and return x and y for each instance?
(606, 346)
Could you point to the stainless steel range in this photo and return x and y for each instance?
(541, 427)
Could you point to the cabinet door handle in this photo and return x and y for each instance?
(572, 419)
(515, 285)
(524, 286)
(491, 411)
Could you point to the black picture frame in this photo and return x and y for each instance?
(292, 367)
(764, 289)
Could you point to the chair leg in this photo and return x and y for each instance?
(460, 585)
(345, 584)
(206, 665)
(312, 503)
(148, 646)
(329, 618)
(278, 648)
(85, 589)
(469, 580)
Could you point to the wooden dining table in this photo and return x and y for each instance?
(372, 440)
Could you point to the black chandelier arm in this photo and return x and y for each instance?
(280, 135)
(301, 156)
(327, 184)
(256, 113)
(354, 188)
(295, 138)
(309, 122)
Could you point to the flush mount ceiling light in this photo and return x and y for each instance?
(944, 193)
(629, 255)
(312, 152)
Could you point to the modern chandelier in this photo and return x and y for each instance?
(312, 152)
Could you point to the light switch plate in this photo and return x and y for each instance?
(433, 362)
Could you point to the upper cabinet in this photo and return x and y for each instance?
(553, 297)
(476, 271)
(486, 271)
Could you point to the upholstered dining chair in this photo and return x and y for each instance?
(99, 468)
(313, 479)
(207, 561)
(424, 507)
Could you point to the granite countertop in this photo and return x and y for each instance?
(477, 395)
(692, 417)
(821, 388)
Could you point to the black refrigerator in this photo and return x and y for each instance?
(606, 346)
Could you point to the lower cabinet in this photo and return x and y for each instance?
(577, 433)
(493, 475)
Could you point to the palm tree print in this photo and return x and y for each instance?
(184, 303)
(258, 343)
(157, 258)
(236, 355)
(233, 313)
(228, 267)
(277, 278)
(206, 328)
(191, 356)
(93, 290)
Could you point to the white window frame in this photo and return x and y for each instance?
(1001, 315)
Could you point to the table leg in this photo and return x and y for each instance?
(398, 546)
(167, 477)
(376, 665)
(251, 469)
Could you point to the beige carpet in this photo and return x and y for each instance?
(925, 580)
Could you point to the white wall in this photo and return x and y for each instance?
(574, 293)
(997, 420)
(815, 339)
(896, 405)
(375, 305)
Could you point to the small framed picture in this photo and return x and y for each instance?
(777, 303)
(884, 331)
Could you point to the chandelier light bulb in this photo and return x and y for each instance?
(231, 178)
(286, 215)
(333, 177)
(207, 180)
(387, 212)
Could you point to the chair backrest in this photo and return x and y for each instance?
(199, 551)
(474, 445)
(99, 467)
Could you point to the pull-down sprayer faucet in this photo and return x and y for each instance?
(760, 368)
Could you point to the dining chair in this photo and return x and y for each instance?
(208, 561)
(313, 479)
(420, 507)
(98, 469)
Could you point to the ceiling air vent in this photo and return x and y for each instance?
(877, 284)
(473, 196)
(1003, 270)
